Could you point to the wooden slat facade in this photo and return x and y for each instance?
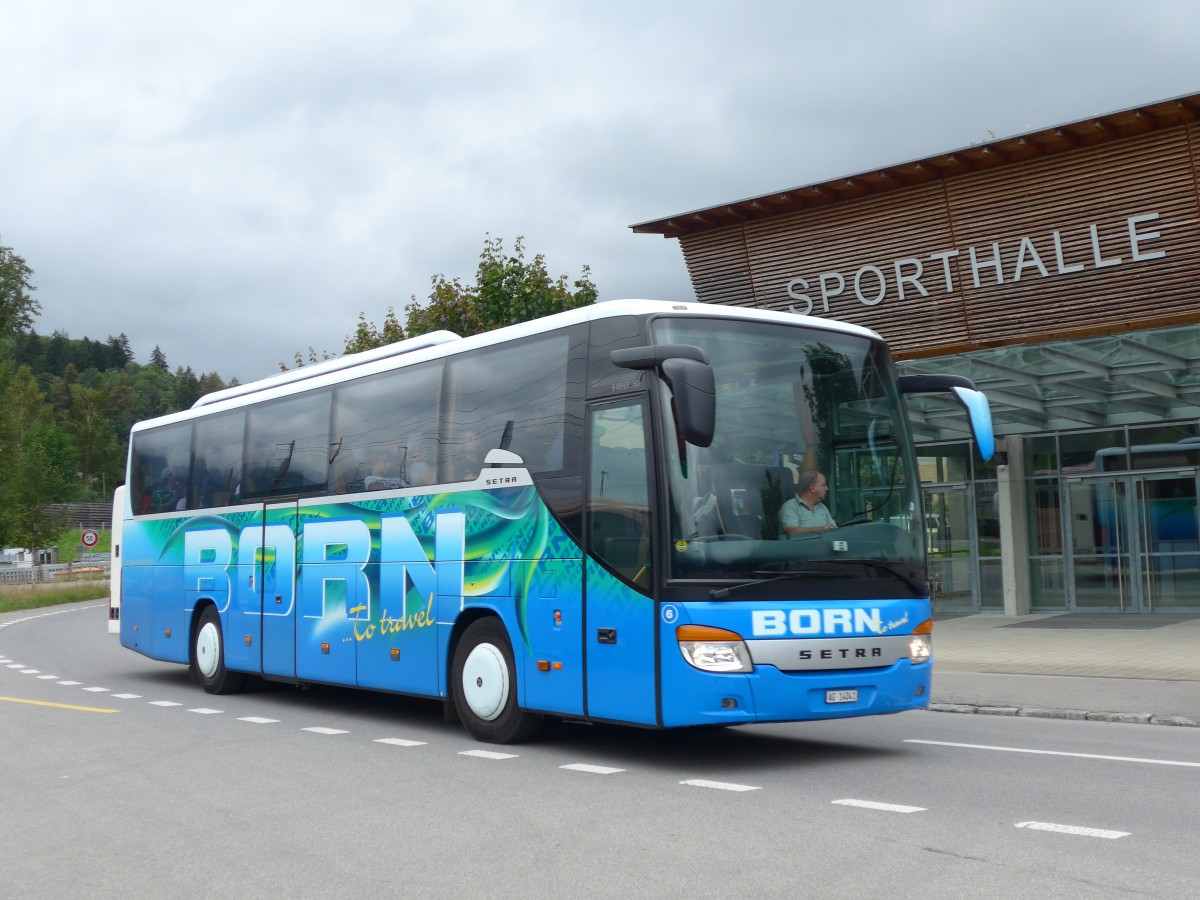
(1017, 202)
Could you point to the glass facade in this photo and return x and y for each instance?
(1111, 520)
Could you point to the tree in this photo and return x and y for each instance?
(41, 471)
(17, 306)
(159, 359)
(90, 427)
(367, 336)
(39, 462)
(120, 354)
(507, 290)
(187, 387)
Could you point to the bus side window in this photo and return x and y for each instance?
(217, 466)
(512, 397)
(384, 427)
(619, 492)
(288, 446)
(161, 468)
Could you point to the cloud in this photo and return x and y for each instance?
(237, 181)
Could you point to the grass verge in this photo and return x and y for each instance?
(15, 597)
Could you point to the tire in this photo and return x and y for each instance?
(484, 686)
(208, 656)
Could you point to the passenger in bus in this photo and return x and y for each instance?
(382, 477)
(345, 471)
(806, 512)
(467, 461)
(421, 468)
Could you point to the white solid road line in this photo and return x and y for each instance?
(1132, 759)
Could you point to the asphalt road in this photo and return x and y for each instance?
(124, 779)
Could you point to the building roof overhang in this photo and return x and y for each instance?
(1044, 142)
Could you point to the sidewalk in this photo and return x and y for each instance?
(1125, 668)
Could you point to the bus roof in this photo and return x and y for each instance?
(443, 343)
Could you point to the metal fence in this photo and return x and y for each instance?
(89, 566)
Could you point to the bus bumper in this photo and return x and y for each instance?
(770, 695)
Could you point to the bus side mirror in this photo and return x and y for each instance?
(695, 391)
(964, 391)
(686, 371)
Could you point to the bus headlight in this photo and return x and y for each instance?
(920, 648)
(713, 649)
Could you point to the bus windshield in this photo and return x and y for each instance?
(795, 405)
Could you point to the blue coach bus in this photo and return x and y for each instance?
(573, 517)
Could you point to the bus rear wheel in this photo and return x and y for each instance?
(484, 686)
(208, 656)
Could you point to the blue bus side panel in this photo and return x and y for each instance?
(554, 635)
(334, 600)
(367, 593)
(620, 650)
(137, 604)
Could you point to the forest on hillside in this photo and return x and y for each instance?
(67, 404)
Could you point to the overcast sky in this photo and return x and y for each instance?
(236, 181)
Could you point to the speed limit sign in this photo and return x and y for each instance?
(90, 538)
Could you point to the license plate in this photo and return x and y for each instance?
(841, 696)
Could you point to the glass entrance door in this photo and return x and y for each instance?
(951, 547)
(1135, 542)
(1169, 541)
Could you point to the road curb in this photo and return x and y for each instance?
(1083, 715)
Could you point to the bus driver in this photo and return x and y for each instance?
(806, 512)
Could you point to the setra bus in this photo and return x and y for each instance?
(576, 517)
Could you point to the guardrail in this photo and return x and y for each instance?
(59, 572)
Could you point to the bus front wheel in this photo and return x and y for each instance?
(208, 656)
(484, 684)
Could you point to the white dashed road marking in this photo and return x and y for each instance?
(70, 683)
(320, 730)
(47, 677)
(164, 703)
(204, 711)
(1074, 829)
(96, 690)
(883, 807)
(258, 720)
(128, 696)
(488, 754)
(594, 770)
(719, 785)
(399, 742)
(30, 671)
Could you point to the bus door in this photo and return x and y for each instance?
(619, 641)
(277, 575)
(262, 632)
(332, 598)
